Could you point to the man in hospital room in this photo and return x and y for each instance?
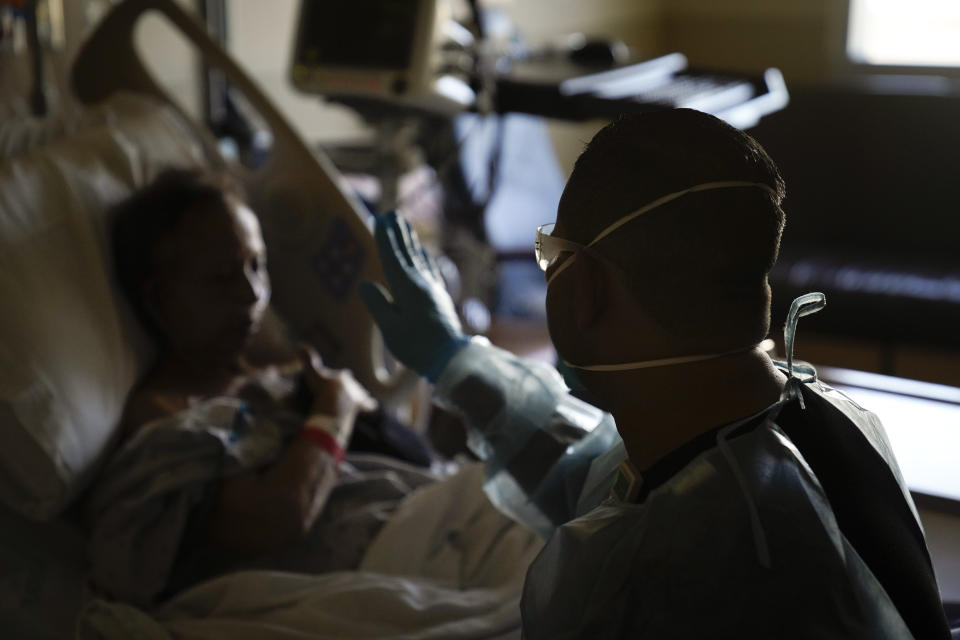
(191, 259)
(721, 495)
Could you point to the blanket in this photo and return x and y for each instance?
(439, 560)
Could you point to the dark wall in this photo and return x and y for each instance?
(873, 212)
(869, 172)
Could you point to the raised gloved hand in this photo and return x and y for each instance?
(417, 317)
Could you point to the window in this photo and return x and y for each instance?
(921, 33)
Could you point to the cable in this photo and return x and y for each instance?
(441, 169)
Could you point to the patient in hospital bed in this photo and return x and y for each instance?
(223, 465)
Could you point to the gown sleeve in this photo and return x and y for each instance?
(538, 441)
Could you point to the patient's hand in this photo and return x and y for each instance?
(334, 392)
(272, 507)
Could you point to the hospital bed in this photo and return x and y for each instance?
(71, 350)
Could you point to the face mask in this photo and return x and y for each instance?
(548, 247)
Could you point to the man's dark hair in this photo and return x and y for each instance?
(698, 263)
(139, 222)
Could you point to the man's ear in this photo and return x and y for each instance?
(591, 291)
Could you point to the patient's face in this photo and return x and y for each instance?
(211, 285)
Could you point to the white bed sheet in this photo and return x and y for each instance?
(447, 565)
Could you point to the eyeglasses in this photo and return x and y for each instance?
(547, 247)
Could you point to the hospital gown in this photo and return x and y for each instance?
(738, 541)
(147, 512)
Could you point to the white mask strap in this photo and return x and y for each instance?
(566, 263)
(663, 362)
(659, 202)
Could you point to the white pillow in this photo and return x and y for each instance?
(69, 348)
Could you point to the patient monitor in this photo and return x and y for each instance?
(390, 50)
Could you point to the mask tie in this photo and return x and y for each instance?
(802, 306)
(662, 362)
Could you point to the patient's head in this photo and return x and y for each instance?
(190, 257)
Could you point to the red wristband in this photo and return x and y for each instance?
(326, 442)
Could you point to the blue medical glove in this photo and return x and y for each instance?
(417, 317)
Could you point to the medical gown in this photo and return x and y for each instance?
(741, 541)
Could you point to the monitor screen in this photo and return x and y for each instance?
(363, 34)
(916, 33)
